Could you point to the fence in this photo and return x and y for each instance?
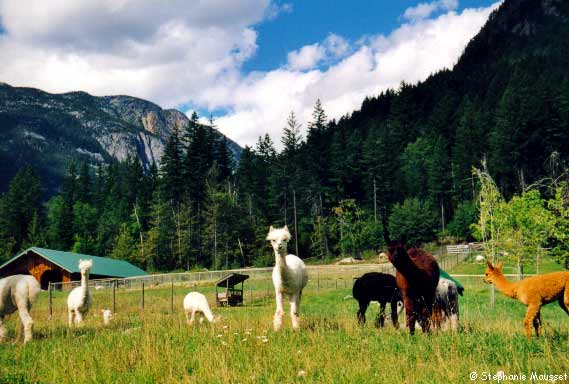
(163, 292)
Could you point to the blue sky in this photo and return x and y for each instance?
(248, 62)
(311, 21)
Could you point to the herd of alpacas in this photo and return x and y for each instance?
(429, 299)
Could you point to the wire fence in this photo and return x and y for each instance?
(164, 292)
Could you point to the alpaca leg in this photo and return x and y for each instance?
(537, 323)
(2, 329)
(71, 317)
(27, 323)
(78, 318)
(362, 312)
(563, 306)
(410, 314)
(380, 319)
(394, 317)
(278, 319)
(294, 307)
(531, 314)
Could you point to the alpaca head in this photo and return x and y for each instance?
(492, 272)
(85, 265)
(279, 238)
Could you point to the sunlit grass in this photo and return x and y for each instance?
(155, 345)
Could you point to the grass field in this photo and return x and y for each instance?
(156, 345)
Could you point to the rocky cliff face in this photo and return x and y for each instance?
(50, 130)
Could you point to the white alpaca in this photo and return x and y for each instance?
(80, 299)
(289, 277)
(107, 316)
(18, 292)
(195, 302)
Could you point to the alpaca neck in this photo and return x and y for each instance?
(208, 314)
(506, 287)
(85, 281)
(280, 262)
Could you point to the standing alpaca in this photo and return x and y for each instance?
(18, 292)
(380, 287)
(446, 304)
(289, 276)
(80, 299)
(533, 291)
(195, 302)
(417, 277)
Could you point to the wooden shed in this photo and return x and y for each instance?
(227, 290)
(51, 266)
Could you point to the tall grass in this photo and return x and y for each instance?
(156, 346)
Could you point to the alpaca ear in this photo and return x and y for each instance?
(286, 228)
(499, 265)
(489, 263)
(271, 229)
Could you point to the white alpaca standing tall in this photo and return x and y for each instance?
(18, 292)
(80, 300)
(289, 277)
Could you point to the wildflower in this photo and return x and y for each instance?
(220, 335)
(301, 373)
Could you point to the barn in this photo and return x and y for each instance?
(51, 266)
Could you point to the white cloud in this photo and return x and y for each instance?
(162, 53)
(259, 103)
(192, 52)
(309, 56)
(424, 10)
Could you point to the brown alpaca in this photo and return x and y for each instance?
(417, 277)
(533, 291)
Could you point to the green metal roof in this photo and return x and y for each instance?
(70, 262)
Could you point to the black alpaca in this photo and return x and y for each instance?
(380, 287)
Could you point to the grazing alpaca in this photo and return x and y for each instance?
(533, 291)
(195, 302)
(380, 287)
(417, 278)
(18, 292)
(80, 299)
(289, 277)
(446, 304)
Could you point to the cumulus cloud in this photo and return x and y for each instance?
(310, 56)
(424, 10)
(260, 102)
(162, 53)
(191, 53)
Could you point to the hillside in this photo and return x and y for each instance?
(48, 131)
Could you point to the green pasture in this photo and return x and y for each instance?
(154, 344)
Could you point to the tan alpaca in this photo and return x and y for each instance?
(534, 292)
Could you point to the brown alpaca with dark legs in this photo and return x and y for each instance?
(533, 291)
(417, 277)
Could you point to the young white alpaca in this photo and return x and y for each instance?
(195, 302)
(80, 299)
(289, 277)
(18, 292)
(107, 316)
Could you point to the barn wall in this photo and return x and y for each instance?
(35, 265)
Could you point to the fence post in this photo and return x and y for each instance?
(318, 279)
(172, 296)
(50, 301)
(142, 297)
(114, 296)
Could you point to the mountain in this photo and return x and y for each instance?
(506, 100)
(48, 131)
